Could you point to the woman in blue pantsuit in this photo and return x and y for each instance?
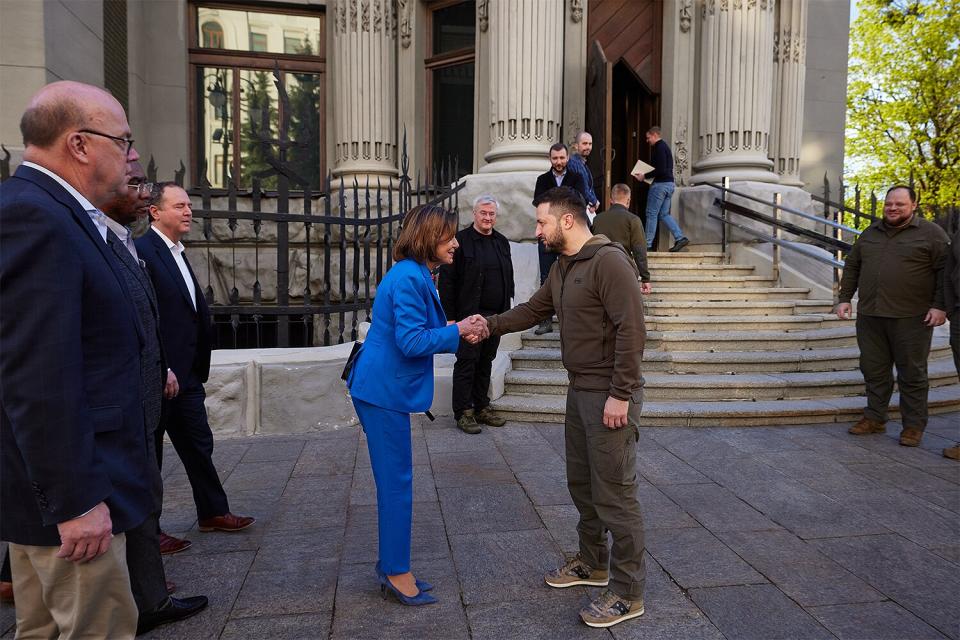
(393, 377)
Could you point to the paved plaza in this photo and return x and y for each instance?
(752, 533)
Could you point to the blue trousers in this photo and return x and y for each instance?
(391, 456)
(658, 208)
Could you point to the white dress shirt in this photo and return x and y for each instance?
(125, 235)
(559, 177)
(176, 250)
(99, 219)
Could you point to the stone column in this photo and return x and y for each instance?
(789, 69)
(736, 90)
(525, 82)
(364, 88)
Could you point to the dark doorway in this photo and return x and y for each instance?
(634, 110)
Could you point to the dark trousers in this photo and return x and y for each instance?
(602, 479)
(471, 374)
(185, 420)
(547, 258)
(148, 581)
(955, 338)
(5, 575)
(904, 342)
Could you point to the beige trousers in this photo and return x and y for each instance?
(59, 599)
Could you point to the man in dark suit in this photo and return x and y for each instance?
(557, 176)
(620, 225)
(147, 577)
(186, 332)
(74, 473)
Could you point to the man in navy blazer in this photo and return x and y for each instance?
(73, 461)
(186, 333)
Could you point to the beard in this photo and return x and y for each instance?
(554, 242)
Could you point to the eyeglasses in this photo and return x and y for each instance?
(128, 141)
(142, 188)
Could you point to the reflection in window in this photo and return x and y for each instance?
(303, 90)
(259, 123)
(257, 31)
(214, 88)
(452, 99)
(454, 27)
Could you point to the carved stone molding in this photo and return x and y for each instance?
(368, 16)
(681, 156)
(403, 9)
(483, 15)
(576, 10)
(686, 15)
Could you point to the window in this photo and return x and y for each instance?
(450, 84)
(235, 101)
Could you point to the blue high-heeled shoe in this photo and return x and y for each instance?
(417, 600)
(422, 585)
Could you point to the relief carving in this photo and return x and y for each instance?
(483, 14)
(681, 155)
(403, 7)
(576, 10)
(686, 15)
(340, 17)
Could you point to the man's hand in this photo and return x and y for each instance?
(87, 536)
(172, 387)
(935, 317)
(645, 288)
(615, 413)
(474, 329)
(844, 310)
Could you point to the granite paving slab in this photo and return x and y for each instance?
(545, 487)
(904, 476)
(659, 511)
(798, 569)
(947, 499)
(364, 489)
(561, 523)
(757, 612)
(911, 517)
(551, 618)
(660, 467)
(533, 458)
(916, 578)
(717, 509)
(499, 507)
(428, 537)
(696, 558)
(873, 621)
(284, 627)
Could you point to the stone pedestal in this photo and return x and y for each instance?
(363, 100)
(736, 90)
(789, 69)
(524, 82)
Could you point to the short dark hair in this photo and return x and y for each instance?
(44, 122)
(580, 134)
(620, 190)
(558, 146)
(655, 130)
(424, 227)
(910, 190)
(564, 200)
(159, 189)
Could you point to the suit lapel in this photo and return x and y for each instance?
(133, 266)
(437, 307)
(166, 258)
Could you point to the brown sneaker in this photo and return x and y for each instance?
(490, 417)
(610, 609)
(910, 437)
(468, 423)
(952, 452)
(867, 426)
(575, 572)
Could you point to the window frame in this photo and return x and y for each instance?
(235, 61)
(432, 63)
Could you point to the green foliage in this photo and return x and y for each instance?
(258, 98)
(903, 97)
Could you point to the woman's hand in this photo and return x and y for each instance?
(473, 329)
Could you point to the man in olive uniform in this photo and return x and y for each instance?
(897, 265)
(620, 225)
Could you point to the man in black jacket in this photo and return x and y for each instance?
(480, 280)
(557, 176)
(661, 191)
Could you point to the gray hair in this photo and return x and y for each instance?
(485, 199)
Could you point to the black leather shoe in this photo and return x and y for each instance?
(174, 610)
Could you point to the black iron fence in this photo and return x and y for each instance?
(294, 267)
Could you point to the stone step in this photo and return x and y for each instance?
(684, 257)
(684, 269)
(730, 362)
(707, 280)
(673, 308)
(747, 386)
(744, 323)
(551, 408)
(742, 340)
(706, 294)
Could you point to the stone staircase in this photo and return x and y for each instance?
(727, 347)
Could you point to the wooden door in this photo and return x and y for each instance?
(599, 120)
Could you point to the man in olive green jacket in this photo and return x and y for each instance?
(620, 225)
(897, 264)
(594, 291)
(951, 287)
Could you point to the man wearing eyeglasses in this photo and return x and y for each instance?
(74, 471)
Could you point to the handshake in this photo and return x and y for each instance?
(474, 328)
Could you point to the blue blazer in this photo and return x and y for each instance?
(186, 334)
(71, 427)
(394, 369)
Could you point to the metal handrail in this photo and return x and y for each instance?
(797, 247)
(802, 214)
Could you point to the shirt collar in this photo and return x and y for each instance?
(558, 175)
(170, 243)
(121, 231)
(87, 206)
